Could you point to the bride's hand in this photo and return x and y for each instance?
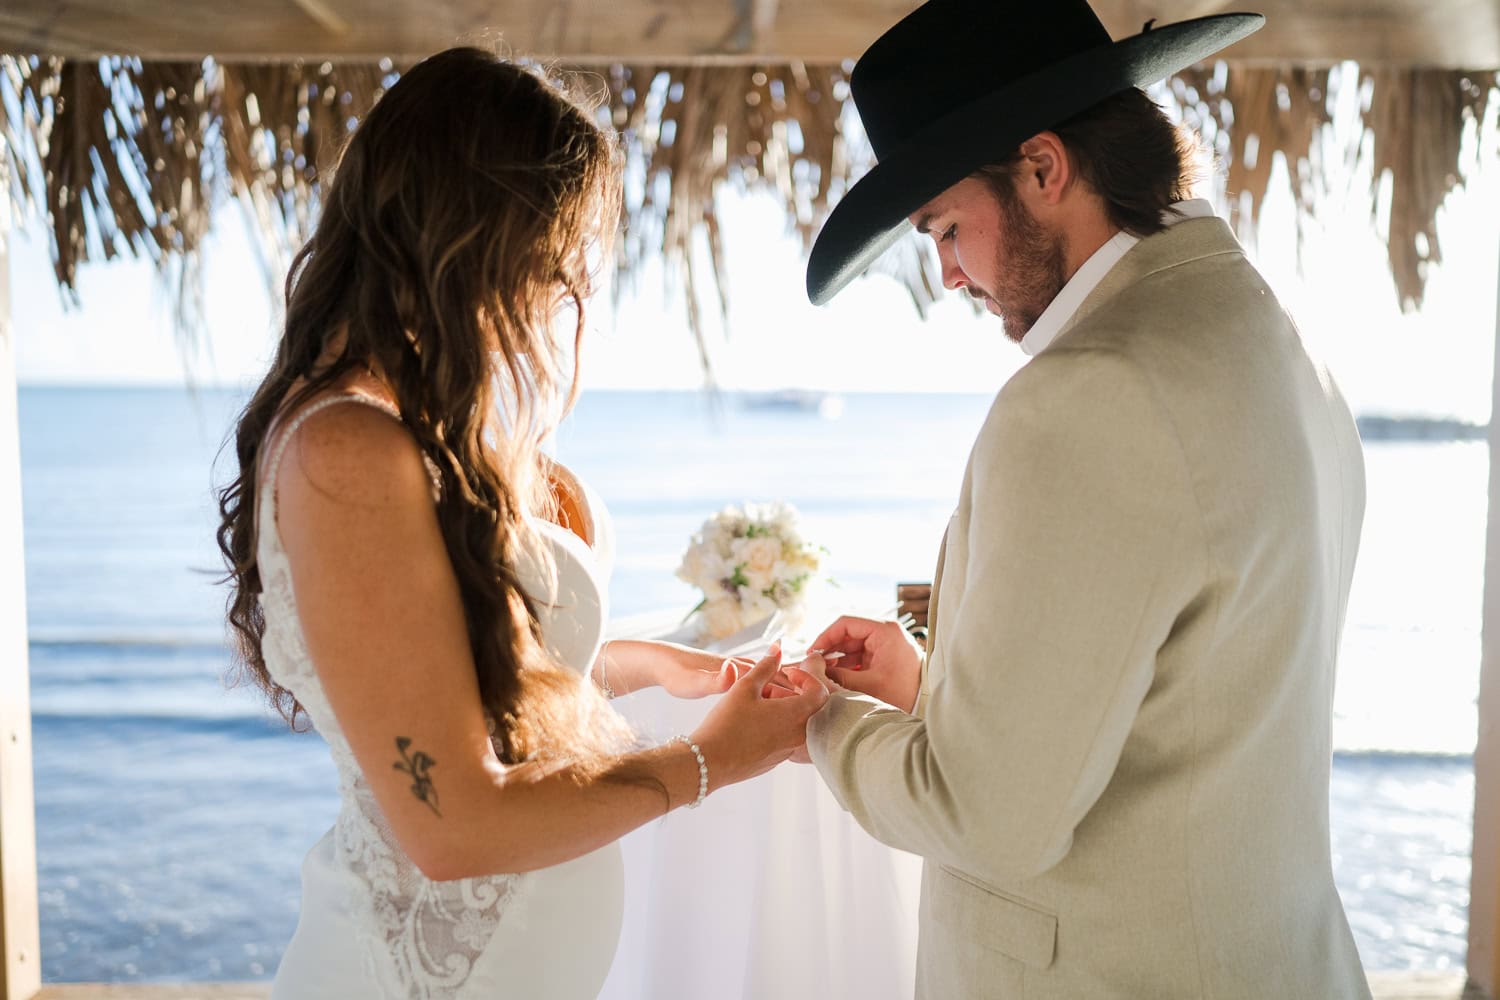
(681, 671)
(693, 673)
(754, 728)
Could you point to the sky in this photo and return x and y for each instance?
(1437, 363)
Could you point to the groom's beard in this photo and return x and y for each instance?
(1034, 269)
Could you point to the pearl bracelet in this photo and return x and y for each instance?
(702, 770)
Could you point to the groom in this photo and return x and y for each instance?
(1115, 758)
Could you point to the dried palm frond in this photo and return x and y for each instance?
(1412, 125)
(284, 127)
(114, 154)
(1416, 123)
(122, 156)
(1248, 115)
(690, 131)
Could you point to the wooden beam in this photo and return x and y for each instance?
(1484, 886)
(20, 938)
(1452, 34)
(324, 16)
(1440, 33)
(156, 991)
(1383, 985)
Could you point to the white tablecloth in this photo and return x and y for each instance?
(769, 890)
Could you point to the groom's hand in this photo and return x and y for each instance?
(815, 669)
(878, 658)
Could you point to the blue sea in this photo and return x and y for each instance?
(173, 811)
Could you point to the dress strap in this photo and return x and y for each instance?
(283, 436)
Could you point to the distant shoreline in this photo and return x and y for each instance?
(1419, 429)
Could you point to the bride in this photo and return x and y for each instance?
(401, 575)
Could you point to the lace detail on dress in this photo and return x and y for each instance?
(429, 934)
(420, 939)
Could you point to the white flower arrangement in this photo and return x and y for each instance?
(749, 563)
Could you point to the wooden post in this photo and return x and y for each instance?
(1484, 887)
(20, 936)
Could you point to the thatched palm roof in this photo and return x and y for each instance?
(129, 155)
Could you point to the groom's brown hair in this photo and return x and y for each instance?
(1129, 152)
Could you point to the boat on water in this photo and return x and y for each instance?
(826, 405)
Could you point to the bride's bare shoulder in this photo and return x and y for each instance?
(345, 450)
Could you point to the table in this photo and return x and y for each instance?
(769, 890)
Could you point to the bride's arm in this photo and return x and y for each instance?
(380, 608)
(627, 665)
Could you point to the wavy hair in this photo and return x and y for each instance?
(1137, 159)
(455, 231)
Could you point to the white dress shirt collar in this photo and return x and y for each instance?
(1056, 316)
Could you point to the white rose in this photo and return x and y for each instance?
(709, 539)
(759, 554)
(782, 574)
(692, 561)
(806, 559)
(703, 568)
(721, 617)
(730, 521)
(786, 595)
(755, 606)
(759, 581)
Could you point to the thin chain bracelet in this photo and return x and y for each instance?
(702, 770)
(603, 678)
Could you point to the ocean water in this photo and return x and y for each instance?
(173, 811)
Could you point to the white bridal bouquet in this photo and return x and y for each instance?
(749, 563)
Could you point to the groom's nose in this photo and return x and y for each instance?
(954, 277)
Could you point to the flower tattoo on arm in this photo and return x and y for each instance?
(416, 765)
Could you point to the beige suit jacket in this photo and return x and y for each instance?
(1118, 769)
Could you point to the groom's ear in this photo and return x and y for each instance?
(1046, 172)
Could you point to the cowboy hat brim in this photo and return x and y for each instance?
(869, 218)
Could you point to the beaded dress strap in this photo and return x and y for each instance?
(284, 437)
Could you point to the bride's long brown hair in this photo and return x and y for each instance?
(455, 231)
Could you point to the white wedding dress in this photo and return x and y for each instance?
(371, 925)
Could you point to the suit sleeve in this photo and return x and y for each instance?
(1084, 545)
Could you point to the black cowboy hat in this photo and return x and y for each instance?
(959, 84)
